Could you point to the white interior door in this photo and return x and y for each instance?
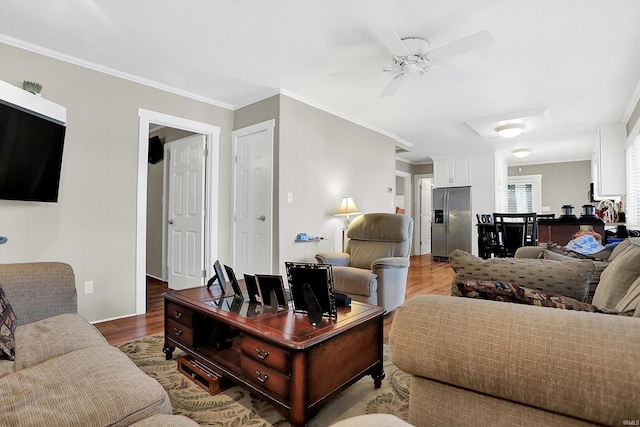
(253, 199)
(426, 187)
(185, 212)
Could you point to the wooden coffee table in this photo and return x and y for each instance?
(280, 356)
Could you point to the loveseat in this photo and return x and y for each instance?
(64, 372)
(476, 362)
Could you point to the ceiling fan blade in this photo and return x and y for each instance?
(391, 40)
(463, 45)
(393, 85)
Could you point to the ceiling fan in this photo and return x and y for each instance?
(412, 55)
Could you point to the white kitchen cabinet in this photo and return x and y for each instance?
(451, 172)
(608, 162)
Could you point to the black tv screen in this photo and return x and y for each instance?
(30, 155)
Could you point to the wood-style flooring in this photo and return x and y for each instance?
(425, 277)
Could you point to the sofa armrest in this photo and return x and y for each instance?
(390, 262)
(579, 364)
(529, 252)
(338, 259)
(39, 290)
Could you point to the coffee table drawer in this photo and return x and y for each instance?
(265, 377)
(179, 314)
(266, 354)
(179, 332)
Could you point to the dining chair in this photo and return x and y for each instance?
(514, 230)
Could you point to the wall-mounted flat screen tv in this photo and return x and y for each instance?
(30, 155)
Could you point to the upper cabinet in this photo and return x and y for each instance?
(608, 162)
(451, 172)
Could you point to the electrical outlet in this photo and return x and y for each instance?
(88, 287)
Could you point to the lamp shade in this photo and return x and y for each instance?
(347, 207)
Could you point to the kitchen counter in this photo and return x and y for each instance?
(561, 230)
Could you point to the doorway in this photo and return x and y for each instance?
(422, 229)
(146, 119)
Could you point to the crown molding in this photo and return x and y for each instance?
(109, 71)
(399, 141)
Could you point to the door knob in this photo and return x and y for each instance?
(261, 218)
(171, 221)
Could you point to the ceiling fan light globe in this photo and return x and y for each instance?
(410, 68)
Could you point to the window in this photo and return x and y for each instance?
(524, 194)
(632, 209)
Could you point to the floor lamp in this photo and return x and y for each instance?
(347, 207)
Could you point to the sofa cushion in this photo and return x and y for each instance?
(8, 324)
(616, 279)
(569, 278)
(631, 300)
(48, 338)
(622, 246)
(507, 292)
(93, 386)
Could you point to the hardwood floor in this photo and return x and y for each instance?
(425, 277)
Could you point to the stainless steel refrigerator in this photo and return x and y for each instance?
(451, 225)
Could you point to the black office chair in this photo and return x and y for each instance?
(514, 230)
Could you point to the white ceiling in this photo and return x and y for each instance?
(580, 59)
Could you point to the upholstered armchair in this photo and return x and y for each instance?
(373, 269)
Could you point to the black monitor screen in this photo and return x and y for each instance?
(30, 155)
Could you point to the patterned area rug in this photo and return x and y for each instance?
(237, 406)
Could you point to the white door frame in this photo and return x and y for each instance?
(211, 170)
(267, 126)
(408, 198)
(416, 228)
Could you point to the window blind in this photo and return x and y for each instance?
(632, 208)
(520, 198)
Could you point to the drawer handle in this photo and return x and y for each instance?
(262, 377)
(177, 331)
(178, 314)
(262, 354)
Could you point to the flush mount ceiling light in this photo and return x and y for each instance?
(521, 152)
(531, 120)
(510, 130)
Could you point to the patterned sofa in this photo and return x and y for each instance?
(64, 373)
(476, 361)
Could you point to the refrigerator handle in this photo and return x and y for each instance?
(446, 212)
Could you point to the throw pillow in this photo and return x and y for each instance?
(508, 292)
(617, 278)
(570, 278)
(7, 328)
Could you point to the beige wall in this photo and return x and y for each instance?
(562, 183)
(93, 226)
(322, 159)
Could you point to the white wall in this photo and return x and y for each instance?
(93, 226)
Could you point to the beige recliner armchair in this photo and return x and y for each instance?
(373, 269)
